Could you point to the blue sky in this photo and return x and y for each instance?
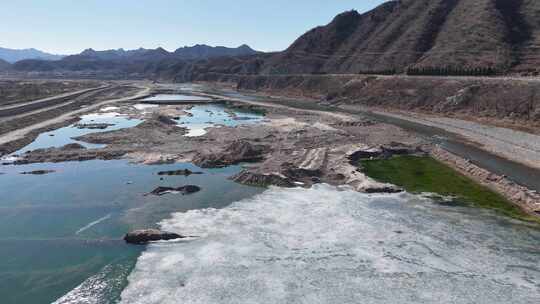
(69, 26)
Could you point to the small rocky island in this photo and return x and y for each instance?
(141, 237)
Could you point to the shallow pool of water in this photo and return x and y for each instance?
(212, 115)
(63, 136)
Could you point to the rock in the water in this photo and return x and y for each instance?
(140, 237)
(184, 172)
(188, 189)
(93, 126)
(38, 172)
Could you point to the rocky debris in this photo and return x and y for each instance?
(38, 172)
(166, 120)
(385, 151)
(93, 126)
(457, 101)
(367, 153)
(74, 146)
(184, 190)
(57, 155)
(237, 152)
(355, 123)
(382, 188)
(141, 237)
(250, 178)
(184, 172)
(396, 148)
(528, 200)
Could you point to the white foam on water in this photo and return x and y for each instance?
(92, 224)
(326, 245)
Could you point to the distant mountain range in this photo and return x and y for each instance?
(140, 61)
(13, 55)
(467, 37)
(197, 52)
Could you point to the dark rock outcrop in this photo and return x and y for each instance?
(184, 190)
(166, 120)
(93, 126)
(140, 237)
(184, 172)
(250, 178)
(38, 172)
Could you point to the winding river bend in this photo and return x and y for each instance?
(319, 245)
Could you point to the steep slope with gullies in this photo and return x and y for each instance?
(527, 17)
(475, 34)
(464, 34)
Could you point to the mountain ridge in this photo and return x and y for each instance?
(417, 37)
(14, 55)
(138, 61)
(402, 34)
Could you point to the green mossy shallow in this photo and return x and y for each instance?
(425, 174)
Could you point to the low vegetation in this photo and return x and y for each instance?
(425, 174)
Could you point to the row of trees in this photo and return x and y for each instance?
(380, 72)
(452, 71)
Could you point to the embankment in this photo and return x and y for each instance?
(505, 102)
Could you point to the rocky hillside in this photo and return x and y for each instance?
(202, 51)
(502, 34)
(427, 37)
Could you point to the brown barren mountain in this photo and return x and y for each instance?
(501, 34)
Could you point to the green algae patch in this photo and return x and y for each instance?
(425, 174)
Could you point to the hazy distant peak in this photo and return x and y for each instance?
(14, 55)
